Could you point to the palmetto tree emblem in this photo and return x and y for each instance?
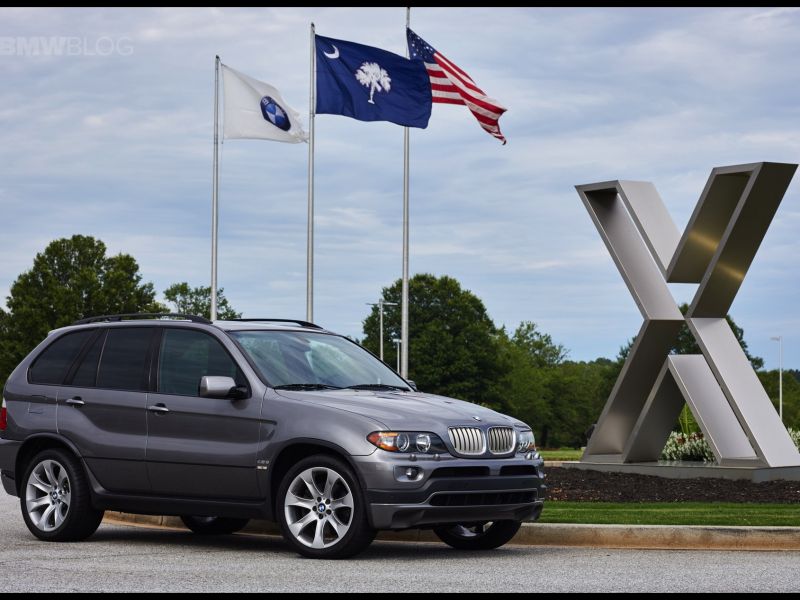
(371, 75)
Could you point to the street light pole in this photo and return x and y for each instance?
(397, 342)
(779, 339)
(380, 304)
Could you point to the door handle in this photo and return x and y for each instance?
(76, 401)
(158, 409)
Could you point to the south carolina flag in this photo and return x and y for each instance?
(371, 84)
(256, 110)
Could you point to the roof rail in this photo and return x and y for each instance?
(135, 316)
(299, 322)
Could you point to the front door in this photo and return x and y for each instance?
(200, 447)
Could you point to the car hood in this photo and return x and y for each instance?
(409, 411)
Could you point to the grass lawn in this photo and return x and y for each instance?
(672, 513)
(562, 454)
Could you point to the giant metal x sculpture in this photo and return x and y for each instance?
(716, 250)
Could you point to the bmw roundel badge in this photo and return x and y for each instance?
(274, 113)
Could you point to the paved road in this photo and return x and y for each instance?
(130, 559)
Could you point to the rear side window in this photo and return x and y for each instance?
(188, 355)
(52, 365)
(122, 366)
(86, 373)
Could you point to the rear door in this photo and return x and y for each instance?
(102, 406)
(45, 376)
(200, 447)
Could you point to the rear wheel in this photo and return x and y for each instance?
(478, 536)
(214, 525)
(321, 509)
(55, 500)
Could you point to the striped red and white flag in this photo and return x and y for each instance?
(451, 85)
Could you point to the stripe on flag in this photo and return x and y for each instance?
(451, 85)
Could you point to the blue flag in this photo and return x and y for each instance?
(370, 84)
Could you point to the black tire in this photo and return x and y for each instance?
(359, 535)
(80, 519)
(214, 525)
(477, 536)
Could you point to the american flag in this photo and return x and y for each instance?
(451, 85)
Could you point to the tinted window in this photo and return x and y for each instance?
(86, 373)
(53, 363)
(122, 366)
(188, 355)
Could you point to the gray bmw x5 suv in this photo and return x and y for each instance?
(224, 422)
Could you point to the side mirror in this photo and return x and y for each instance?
(412, 384)
(213, 386)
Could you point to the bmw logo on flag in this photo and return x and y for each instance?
(274, 113)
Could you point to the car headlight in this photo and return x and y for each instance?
(525, 442)
(408, 442)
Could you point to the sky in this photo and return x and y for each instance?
(110, 135)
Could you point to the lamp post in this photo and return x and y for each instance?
(779, 339)
(397, 342)
(380, 304)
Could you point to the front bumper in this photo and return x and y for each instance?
(450, 490)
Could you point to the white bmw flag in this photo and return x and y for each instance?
(256, 110)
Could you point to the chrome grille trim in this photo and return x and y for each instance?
(468, 441)
(501, 440)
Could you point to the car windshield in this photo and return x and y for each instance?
(311, 361)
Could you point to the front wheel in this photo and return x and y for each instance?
(478, 536)
(214, 525)
(321, 509)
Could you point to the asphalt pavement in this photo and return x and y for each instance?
(133, 559)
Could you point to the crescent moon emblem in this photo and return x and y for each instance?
(335, 53)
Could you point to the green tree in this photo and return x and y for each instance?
(539, 346)
(791, 395)
(197, 301)
(453, 344)
(73, 278)
(560, 399)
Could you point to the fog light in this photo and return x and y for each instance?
(412, 473)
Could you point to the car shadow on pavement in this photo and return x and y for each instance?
(244, 542)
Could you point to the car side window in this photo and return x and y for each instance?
(186, 356)
(52, 365)
(124, 359)
(86, 373)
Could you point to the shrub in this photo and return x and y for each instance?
(693, 447)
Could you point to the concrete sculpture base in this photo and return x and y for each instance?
(691, 470)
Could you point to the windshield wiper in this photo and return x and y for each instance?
(376, 386)
(306, 386)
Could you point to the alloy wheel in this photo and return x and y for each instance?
(48, 495)
(319, 508)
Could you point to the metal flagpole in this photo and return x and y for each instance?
(215, 195)
(312, 107)
(404, 302)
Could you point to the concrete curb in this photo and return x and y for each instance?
(652, 537)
